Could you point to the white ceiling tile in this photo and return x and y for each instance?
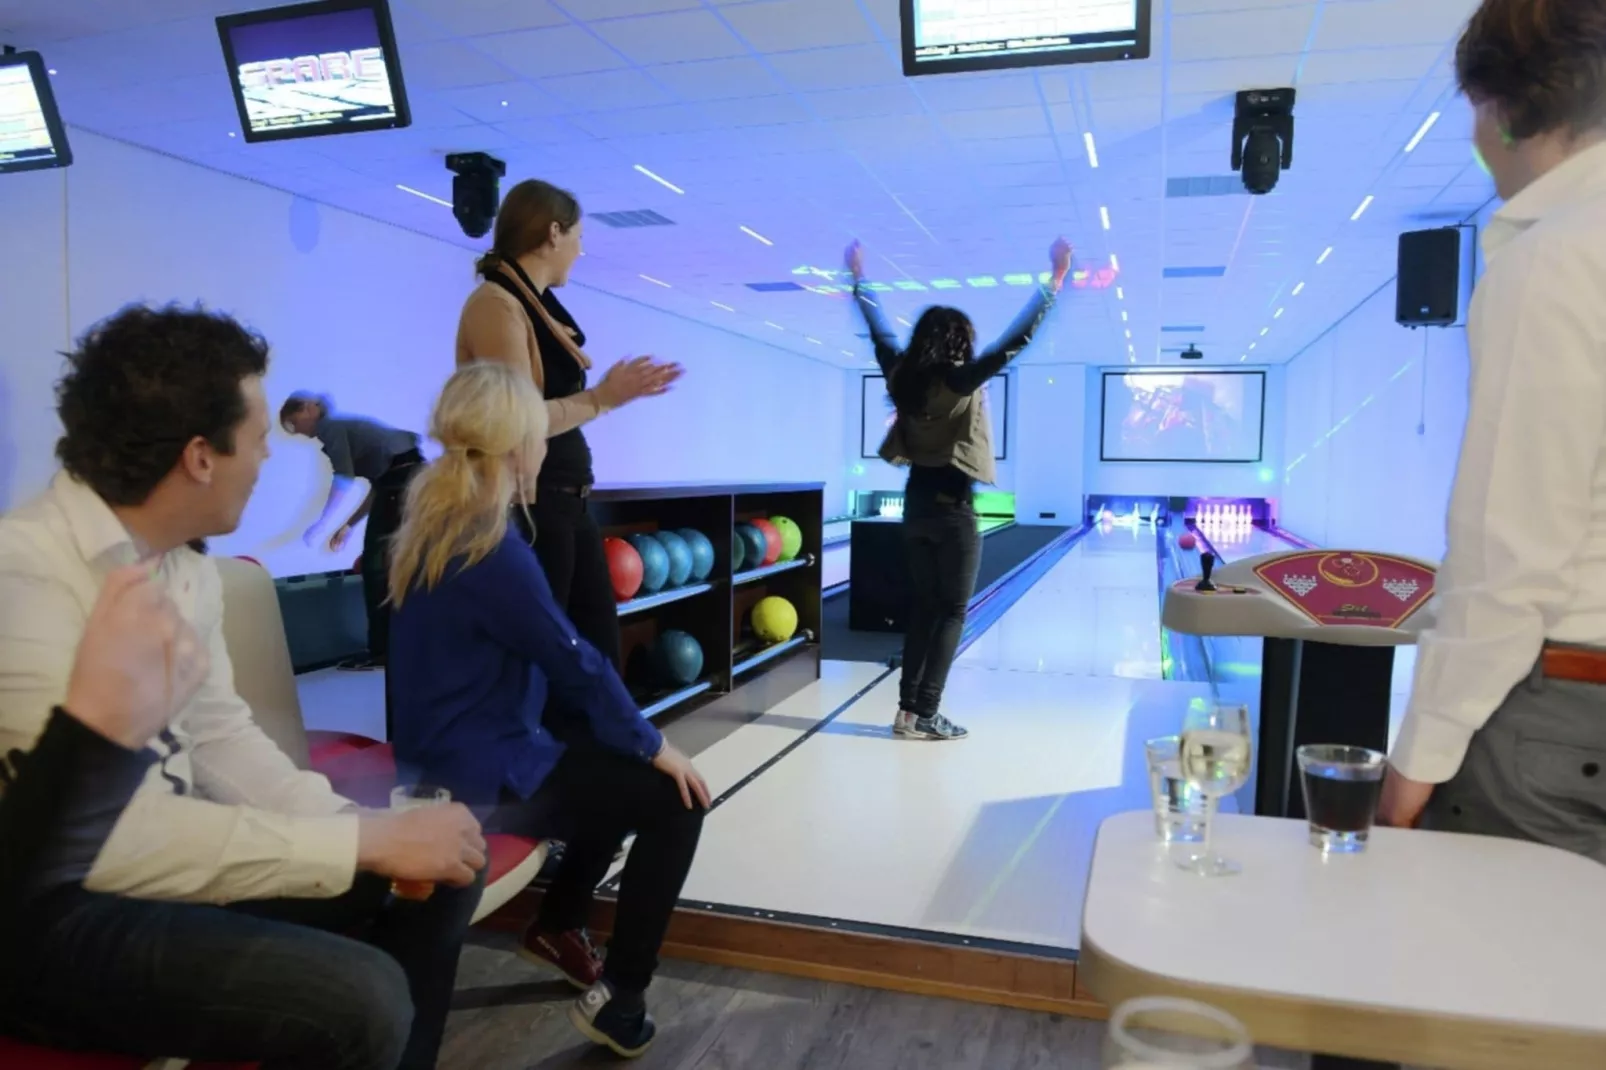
(594, 10)
(550, 52)
(685, 35)
(1369, 65)
(717, 79)
(498, 103)
(791, 25)
(1357, 24)
(837, 68)
(466, 18)
(449, 65)
(606, 90)
(756, 111)
(1230, 34)
(865, 101)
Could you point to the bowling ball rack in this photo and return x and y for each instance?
(736, 668)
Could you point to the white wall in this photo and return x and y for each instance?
(1190, 480)
(360, 310)
(1050, 410)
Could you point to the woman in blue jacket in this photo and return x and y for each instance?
(478, 646)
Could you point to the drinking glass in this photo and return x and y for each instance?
(1215, 761)
(1181, 814)
(405, 797)
(1342, 788)
(1164, 1033)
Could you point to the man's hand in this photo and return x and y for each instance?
(1403, 800)
(677, 767)
(337, 541)
(138, 661)
(431, 843)
(638, 377)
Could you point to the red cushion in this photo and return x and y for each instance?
(15, 1055)
(364, 776)
(507, 853)
(325, 746)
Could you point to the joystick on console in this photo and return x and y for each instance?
(1209, 563)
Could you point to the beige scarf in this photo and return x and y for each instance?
(564, 336)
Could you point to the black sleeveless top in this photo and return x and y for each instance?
(568, 457)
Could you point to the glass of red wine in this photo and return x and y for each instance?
(1342, 787)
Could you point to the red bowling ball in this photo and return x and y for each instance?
(772, 540)
(1188, 542)
(624, 568)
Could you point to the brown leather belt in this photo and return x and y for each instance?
(1584, 665)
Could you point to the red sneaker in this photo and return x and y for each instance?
(570, 953)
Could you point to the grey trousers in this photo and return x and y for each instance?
(1536, 771)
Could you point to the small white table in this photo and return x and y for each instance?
(1430, 949)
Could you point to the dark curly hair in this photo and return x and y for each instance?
(1542, 63)
(143, 384)
(943, 338)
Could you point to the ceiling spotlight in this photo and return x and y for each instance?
(1299, 289)
(1092, 150)
(657, 282)
(1192, 353)
(1104, 217)
(1327, 252)
(1362, 209)
(751, 233)
(1420, 134)
(1263, 137)
(727, 308)
(664, 182)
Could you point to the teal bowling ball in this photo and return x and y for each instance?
(702, 553)
(754, 545)
(679, 556)
(738, 550)
(654, 562)
(677, 658)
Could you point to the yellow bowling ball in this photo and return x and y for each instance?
(774, 620)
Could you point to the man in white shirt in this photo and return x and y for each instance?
(216, 922)
(1506, 730)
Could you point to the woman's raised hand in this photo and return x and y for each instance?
(854, 259)
(1060, 254)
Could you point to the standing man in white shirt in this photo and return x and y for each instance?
(1506, 731)
(216, 922)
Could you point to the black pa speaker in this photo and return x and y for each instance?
(1429, 285)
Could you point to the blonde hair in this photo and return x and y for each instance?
(492, 422)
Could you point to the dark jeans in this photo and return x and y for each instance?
(569, 544)
(276, 981)
(944, 552)
(384, 520)
(593, 800)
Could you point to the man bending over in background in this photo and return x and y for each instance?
(165, 428)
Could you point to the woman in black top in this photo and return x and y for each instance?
(515, 318)
(942, 433)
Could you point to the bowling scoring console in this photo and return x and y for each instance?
(1329, 621)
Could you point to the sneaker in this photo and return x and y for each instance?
(904, 723)
(607, 1020)
(570, 953)
(365, 663)
(938, 727)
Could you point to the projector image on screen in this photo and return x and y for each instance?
(977, 35)
(312, 69)
(1203, 417)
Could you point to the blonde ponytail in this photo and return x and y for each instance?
(492, 423)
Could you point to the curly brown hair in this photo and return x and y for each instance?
(143, 384)
(1542, 63)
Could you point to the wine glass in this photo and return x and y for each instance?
(1215, 762)
(1165, 1033)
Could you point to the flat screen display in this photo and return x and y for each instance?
(31, 134)
(1204, 417)
(940, 36)
(879, 414)
(315, 69)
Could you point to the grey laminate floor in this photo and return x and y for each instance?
(511, 1017)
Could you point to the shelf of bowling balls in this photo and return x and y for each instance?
(770, 653)
(652, 707)
(663, 598)
(754, 574)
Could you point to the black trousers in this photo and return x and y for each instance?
(943, 548)
(359, 982)
(592, 801)
(384, 520)
(569, 544)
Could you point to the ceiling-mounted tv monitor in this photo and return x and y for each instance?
(941, 36)
(313, 70)
(31, 134)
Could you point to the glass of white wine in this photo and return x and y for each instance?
(1215, 762)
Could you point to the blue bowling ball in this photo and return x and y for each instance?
(677, 658)
(755, 546)
(679, 556)
(702, 553)
(654, 562)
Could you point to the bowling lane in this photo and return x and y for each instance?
(1095, 613)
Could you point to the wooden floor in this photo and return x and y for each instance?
(510, 1016)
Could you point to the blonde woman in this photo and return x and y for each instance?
(480, 645)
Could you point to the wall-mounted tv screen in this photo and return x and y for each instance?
(940, 36)
(31, 134)
(878, 415)
(1202, 417)
(317, 69)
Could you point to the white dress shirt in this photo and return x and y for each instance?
(224, 815)
(1526, 554)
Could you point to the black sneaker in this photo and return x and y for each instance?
(365, 663)
(938, 727)
(605, 1020)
